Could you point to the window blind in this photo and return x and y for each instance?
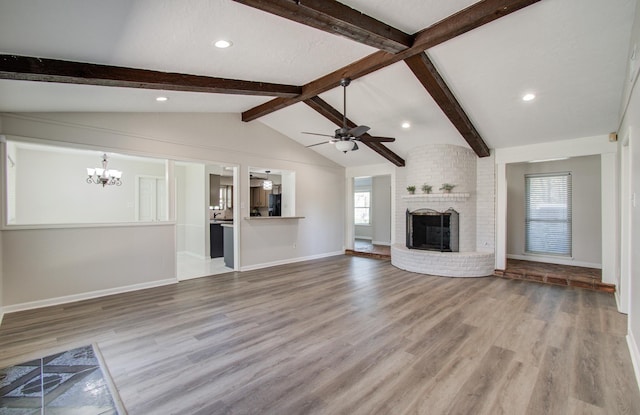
(548, 213)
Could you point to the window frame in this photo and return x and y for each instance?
(356, 208)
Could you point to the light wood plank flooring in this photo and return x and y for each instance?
(347, 335)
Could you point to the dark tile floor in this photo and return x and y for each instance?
(572, 276)
(66, 383)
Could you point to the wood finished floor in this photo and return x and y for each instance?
(347, 335)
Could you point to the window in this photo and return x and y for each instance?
(226, 197)
(362, 207)
(548, 214)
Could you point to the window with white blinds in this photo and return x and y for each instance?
(548, 214)
(362, 208)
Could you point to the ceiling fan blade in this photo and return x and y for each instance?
(317, 144)
(322, 135)
(377, 139)
(355, 146)
(359, 130)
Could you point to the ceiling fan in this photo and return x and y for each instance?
(345, 138)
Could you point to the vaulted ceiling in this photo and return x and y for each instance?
(455, 70)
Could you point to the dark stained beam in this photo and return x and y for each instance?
(474, 16)
(428, 75)
(333, 115)
(51, 70)
(337, 18)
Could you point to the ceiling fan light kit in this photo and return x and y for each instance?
(345, 146)
(344, 137)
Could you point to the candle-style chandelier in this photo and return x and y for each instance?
(104, 176)
(267, 184)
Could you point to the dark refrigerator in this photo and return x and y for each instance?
(274, 205)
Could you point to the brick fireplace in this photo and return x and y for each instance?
(433, 248)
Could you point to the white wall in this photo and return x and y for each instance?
(586, 211)
(47, 266)
(180, 206)
(381, 213)
(208, 138)
(629, 129)
(288, 192)
(485, 204)
(192, 213)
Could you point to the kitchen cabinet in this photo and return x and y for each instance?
(259, 197)
(214, 189)
(217, 240)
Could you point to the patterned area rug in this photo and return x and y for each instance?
(70, 383)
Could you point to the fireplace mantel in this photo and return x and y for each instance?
(437, 197)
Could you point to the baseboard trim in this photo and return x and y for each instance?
(551, 260)
(635, 356)
(616, 295)
(1, 315)
(86, 296)
(290, 261)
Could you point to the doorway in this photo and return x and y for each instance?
(372, 215)
(151, 196)
(194, 216)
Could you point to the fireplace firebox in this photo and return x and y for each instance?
(430, 230)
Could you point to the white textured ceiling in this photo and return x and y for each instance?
(571, 53)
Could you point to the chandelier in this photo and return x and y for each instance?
(267, 184)
(103, 175)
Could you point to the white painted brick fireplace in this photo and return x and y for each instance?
(435, 165)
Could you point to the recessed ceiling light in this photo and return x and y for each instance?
(161, 99)
(406, 125)
(223, 44)
(528, 97)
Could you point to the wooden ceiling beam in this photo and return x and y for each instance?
(336, 18)
(474, 16)
(51, 70)
(333, 115)
(428, 75)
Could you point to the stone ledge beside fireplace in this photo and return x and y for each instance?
(437, 197)
(444, 264)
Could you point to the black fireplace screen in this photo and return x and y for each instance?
(431, 230)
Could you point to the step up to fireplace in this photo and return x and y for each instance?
(445, 264)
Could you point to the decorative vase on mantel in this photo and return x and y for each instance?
(411, 189)
(426, 188)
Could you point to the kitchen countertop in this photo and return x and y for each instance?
(221, 221)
